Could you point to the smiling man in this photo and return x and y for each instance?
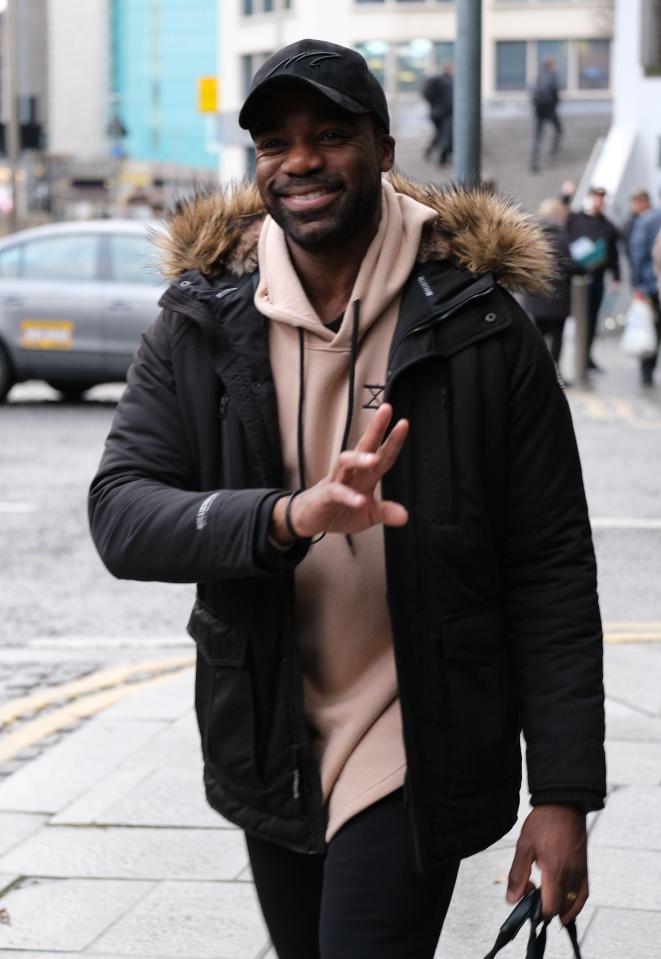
(346, 431)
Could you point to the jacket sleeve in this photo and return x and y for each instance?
(551, 606)
(638, 243)
(148, 518)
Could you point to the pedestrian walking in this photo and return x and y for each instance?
(347, 432)
(438, 91)
(550, 308)
(593, 226)
(640, 202)
(644, 279)
(545, 101)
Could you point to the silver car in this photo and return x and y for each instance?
(74, 298)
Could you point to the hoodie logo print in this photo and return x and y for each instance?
(374, 395)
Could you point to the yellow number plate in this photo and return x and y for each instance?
(46, 334)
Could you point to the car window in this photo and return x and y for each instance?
(9, 261)
(133, 259)
(67, 257)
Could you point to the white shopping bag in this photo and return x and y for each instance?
(639, 336)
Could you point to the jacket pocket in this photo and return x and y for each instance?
(224, 698)
(219, 643)
(481, 707)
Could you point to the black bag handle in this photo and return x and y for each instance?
(530, 908)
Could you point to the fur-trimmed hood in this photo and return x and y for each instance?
(217, 231)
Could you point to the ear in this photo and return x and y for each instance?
(386, 149)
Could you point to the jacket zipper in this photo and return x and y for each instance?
(436, 318)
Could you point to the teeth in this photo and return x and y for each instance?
(314, 195)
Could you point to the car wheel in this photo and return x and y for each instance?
(7, 378)
(70, 392)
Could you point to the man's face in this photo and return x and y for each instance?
(639, 204)
(598, 201)
(319, 167)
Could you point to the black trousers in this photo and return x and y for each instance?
(362, 899)
(595, 297)
(545, 116)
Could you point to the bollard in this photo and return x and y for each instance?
(579, 309)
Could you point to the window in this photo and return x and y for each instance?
(71, 257)
(558, 49)
(251, 7)
(412, 64)
(376, 53)
(250, 64)
(582, 64)
(651, 37)
(511, 65)
(132, 260)
(593, 64)
(443, 53)
(10, 261)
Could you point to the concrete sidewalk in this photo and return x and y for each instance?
(108, 849)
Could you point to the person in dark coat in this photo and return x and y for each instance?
(545, 101)
(644, 280)
(550, 310)
(342, 416)
(593, 224)
(640, 202)
(438, 91)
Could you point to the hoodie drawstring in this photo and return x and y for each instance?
(300, 436)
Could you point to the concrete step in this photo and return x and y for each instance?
(506, 143)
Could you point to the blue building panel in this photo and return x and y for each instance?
(160, 49)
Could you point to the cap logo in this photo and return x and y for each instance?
(318, 55)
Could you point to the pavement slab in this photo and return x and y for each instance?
(171, 797)
(79, 761)
(631, 674)
(47, 913)
(177, 745)
(631, 820)
(15, 826)
(167, 700)
(116, 853)
(207, 920)
(628, 724)
(625, 878)
(615, 933)
(630, 763)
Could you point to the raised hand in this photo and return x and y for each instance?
(344, 501)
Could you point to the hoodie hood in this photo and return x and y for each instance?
(217, 231)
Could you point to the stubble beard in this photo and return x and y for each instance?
(352, 213)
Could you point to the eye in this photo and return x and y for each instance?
(333, 136)
(269, 145)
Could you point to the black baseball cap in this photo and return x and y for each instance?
(336, 72)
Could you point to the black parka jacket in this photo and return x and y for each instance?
(491, 584)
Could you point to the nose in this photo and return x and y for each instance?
(303, 157)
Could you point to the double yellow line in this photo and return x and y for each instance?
(79, 699)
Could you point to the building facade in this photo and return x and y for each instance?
(406, 40)
(123, 82)
(160, 51)
(631, 155)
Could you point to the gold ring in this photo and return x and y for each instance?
(571, 896)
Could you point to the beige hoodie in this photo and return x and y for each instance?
(342, 621)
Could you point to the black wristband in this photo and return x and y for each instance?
(290, 526)
(288, 523)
